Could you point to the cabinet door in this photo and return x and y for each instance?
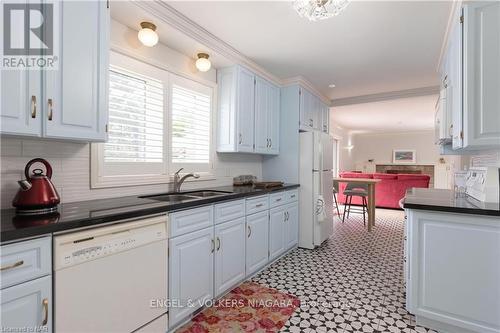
(262, 112)
(274, 120)
(245, 92)
(75, 102)
(455, 84)
(306, 109)
(292, 225)
(326, 118)
(229, 255)
(276, 232)
(191, 272)
(20, 100)
(257, 244)
(28, 305)
(481, 74)
(317, 114)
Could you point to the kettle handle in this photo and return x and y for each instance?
(33, 161)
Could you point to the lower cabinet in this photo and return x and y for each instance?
(257, 243)
(292, 225)
(191, 273)
(229, 254)
(26, 307)
(276, 232)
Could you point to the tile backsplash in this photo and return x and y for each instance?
(71, 170)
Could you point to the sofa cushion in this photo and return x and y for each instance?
(384, 176)
(403, 176)
(355, 175)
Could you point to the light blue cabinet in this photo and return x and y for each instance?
(26, 285)
(229, 255)
(73, 104)
(276, 232)
(257, 242)
(191, 272)
(292, 225)
(27, 306)
(248, 113)
(314, 114)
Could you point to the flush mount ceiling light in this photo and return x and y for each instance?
(147, 35)
(203, 64)
(316, 10)
(331, 85)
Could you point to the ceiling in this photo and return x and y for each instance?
(395, 115)
(371, 47)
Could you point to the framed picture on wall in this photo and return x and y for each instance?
(404, 156)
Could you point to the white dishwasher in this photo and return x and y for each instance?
(108, 279)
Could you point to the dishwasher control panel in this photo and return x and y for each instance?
(83, 246)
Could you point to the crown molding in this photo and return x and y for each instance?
(179, 21)
(454, 15)
(416, 92)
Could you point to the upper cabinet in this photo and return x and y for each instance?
(73, 104)
(471, 81)
(313, 112)
(249, 112)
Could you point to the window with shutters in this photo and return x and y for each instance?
(158, 123)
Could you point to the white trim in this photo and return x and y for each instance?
(454, 14)
(416, 92)
(180, 22)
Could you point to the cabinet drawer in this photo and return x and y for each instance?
(291, 196)
(276, 199)
(229, 211)
(25, 261)
(257, 204)
(190, 220)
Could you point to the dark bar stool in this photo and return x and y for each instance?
(356, 190)
(335, 192)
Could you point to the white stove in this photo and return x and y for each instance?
(483, 184)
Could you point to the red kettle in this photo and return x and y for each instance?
(37, 192)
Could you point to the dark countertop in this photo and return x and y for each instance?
(446, 201)
(94, 212)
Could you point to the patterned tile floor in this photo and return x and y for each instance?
(352, 283)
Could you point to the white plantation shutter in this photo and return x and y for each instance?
(135, 119)
(191, 109)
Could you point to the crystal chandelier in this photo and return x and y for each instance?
(316, 10)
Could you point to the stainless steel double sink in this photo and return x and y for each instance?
(185, 196)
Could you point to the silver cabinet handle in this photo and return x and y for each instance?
(249, 231)
(14, 265)
(33, 106)
(270, 143)
(292, 196)
(240, 140)
(45, 304)
(218, 243)
(259, 205)
(279, 199)
(311, 122)
(213, 245)
(50, 104)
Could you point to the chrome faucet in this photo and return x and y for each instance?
(178, 180)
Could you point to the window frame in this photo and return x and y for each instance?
(98, 176)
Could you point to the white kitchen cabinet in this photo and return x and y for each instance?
(257, 242)
(454, 93)
(277, 229)
(317, 114)
(191, 272)
(73, 104)
(273, 129)
(236, 121)
(325, 118)
(292, 225)
(27, 307)
(20, 102)
(267, 116)
(75, 100)
(306, 109)
(229, 254)
(481, 79)
(452, 271)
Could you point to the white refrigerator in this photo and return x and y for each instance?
(316, 188)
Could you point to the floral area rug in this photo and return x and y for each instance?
(249, 307)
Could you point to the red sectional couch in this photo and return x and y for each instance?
(389, 190)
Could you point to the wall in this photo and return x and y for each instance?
(71, 161)
(379, 146)
(345, 140)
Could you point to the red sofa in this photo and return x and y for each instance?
(389, 191)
